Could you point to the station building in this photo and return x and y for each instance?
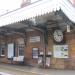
(40, 34)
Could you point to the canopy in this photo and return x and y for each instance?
(39, 8)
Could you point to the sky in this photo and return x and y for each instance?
(9, 5)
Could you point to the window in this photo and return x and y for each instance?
(20, 49)
(2, 50)
(35, 52)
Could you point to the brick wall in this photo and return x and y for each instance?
(57, 63)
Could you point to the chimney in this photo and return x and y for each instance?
(73, 2)
(25, 3)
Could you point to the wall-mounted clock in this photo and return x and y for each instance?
(58, 35)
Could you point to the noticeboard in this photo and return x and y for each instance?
(60, 51)
(34, 39)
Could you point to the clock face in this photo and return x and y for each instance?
(58, 35)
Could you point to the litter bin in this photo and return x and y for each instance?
(48, 60)
(11, 59)
(40, 60)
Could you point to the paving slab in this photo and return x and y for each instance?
(27, 70)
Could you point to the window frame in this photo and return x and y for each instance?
(2, 48)
(22, 48)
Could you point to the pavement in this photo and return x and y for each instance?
(27, 70)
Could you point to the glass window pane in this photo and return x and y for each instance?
(35, 53)
(21, 49)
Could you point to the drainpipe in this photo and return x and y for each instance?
(25, 44)
(44, 41)
(44, 57)
(45, 46)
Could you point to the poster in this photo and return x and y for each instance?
(60, 51)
